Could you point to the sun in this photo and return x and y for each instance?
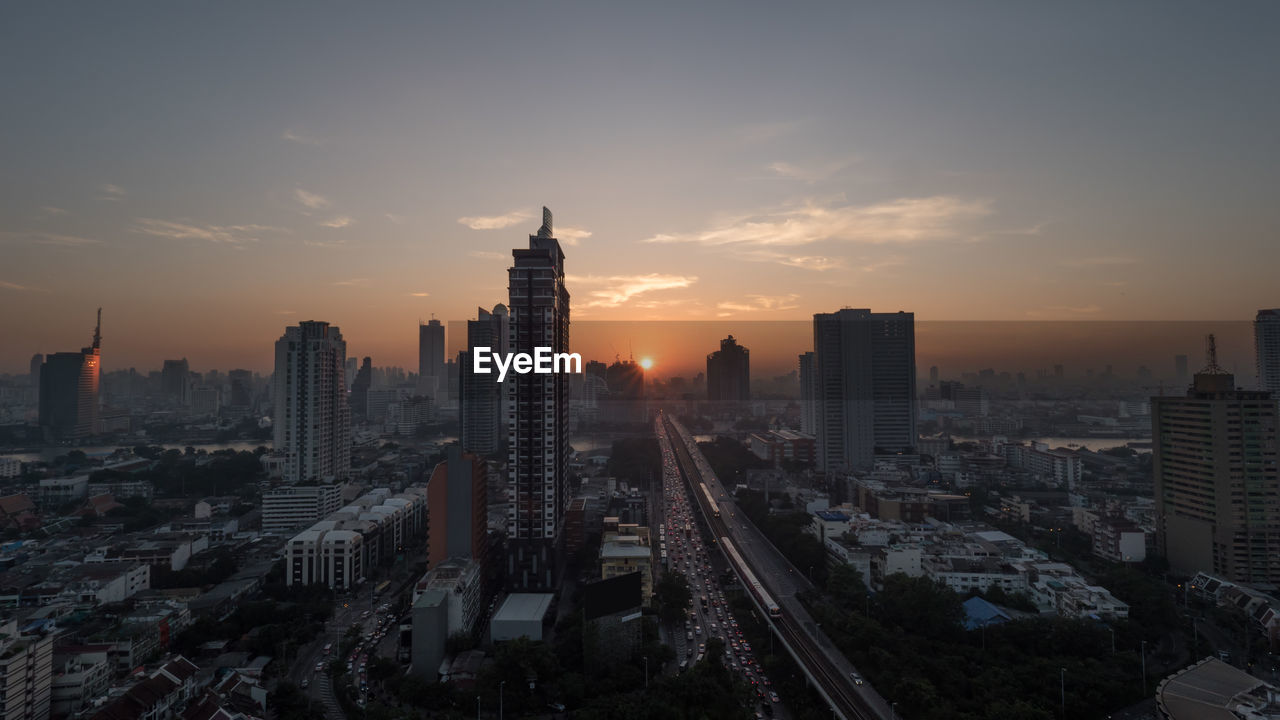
(646, 363)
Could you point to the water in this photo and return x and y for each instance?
(48, 454)
(1087, 443)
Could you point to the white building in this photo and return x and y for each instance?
(333, 558)
(312, 421)
(26, 673)
(10, 467)
(289, 508)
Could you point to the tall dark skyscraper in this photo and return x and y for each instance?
(175, 381)
(241, 398)
(312, 420)
(1266, 342)
(432, 380)
(1180, 370)
(480, 400)
(729, 373)
(537, 414)
(69, 391)
(360, 389)
(865, 365)
(36, 361)
(1216, 479)
(808, 394)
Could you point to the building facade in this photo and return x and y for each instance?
(729, 373)
(457, 508)
(537, 414)
(312, 417)
(69, 391)
(865, 395)
(1216, 480)
(1266, 342)
(289, 508)
(480, 401)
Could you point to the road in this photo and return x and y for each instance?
(801, 634)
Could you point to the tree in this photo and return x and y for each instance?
(672, 596)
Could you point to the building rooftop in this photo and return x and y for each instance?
(524, 607)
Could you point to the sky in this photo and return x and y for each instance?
(210, 173)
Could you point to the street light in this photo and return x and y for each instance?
(501, 687)
(893, 708)
(1062, 679)
(646, 672)
(1144, 668)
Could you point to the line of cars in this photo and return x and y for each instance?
(375, 627)
(710, 616)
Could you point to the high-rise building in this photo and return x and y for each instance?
(865, 364)
(729, 373)
(175, 381)
(26, 672)
(480, 401)
(1266, 341)
(808, 395)
(312, 418)
(290, 508)
(1180, 370)
(431, 375)
(933, 374)
(457, 508)
(1216, 481)
(360, 390)
(69, 391)
(537, 413)
(241, 382)
(34, 378)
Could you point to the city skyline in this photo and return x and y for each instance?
(1066, 162)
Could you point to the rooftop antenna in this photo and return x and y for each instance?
(1211, 356)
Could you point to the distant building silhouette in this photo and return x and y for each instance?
(34, 378)
(1180, 370)
(432, 380)
(480, 400)
(1266, 340)
(866, 386)
(729, 373)
(537, 415)
(175, 381)
(241, 398)
(808, 394)
(360, 390)
(312, 418)
(1215, 473)
(69, 391)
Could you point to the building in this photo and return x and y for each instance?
(431, 377)
(784, 446)
(520, 615)
(537, 410)
(623, 553)
(1216, 479)
(480, 401)
(81, 674)
(26, 673)
(333, 558)
(729, 373)
(866, 375)
(612, 619)
(241, 399)
(69, 391)
(205, 400)
(447, 601)
(289, 508)
(808, 395)
(1266, 342)
(359, 400)
(312, 418)
(175, 381)
(457, 508)
(56, 492)
(1061, 467)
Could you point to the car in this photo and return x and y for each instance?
(773, 697)
(558, 707)
(305, 683)
(857, 679)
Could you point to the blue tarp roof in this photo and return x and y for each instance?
(980, 613)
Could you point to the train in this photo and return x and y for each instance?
(762, 596)
(712, 507)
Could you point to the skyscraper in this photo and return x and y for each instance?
(537, 414)
(1266, 342)
(457, 508)
(808, 395)
(175, 381)
(1216, 479)
(1180, 370)
(312, 417)
(241, 389)
(729, 373)
(360, 389)
(69, 391)
(431, 377)
(480, 401)
(866, 386)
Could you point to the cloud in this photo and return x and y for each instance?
(420, 294)
(301, 137)
(339, 222)
(1100, 261)
(352, 282)
(286, 312)
(622, 288)
(805, 262)
(495, 222)
(311, 200)
(901, 221)
(112, 192)
(488, 255)
(571, 235)
(812, 173)
(40, 238)
(397, 219)
(759, 303)
(51, 210)
(221, 234)
(6, 285)
(1066, 310)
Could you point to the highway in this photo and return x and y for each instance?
(812, 649)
